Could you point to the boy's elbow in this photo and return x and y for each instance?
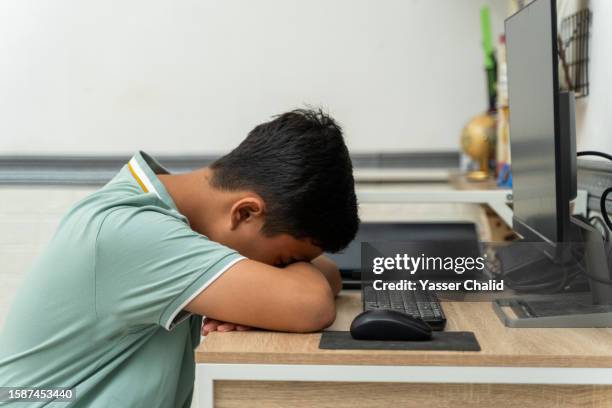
(318, 313)
(326, 314)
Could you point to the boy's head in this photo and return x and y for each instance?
(302, 202)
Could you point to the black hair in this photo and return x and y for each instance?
(300, 166)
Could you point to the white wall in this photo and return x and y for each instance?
(194, 76)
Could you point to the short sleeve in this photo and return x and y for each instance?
(150, 265)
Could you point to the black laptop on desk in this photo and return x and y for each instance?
(349, 260)
(421, 304)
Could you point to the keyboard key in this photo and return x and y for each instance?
(420, 304)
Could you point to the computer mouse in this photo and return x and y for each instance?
(389, 325)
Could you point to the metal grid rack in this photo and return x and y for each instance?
(573, 41)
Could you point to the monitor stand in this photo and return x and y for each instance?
(563, 310)
(587, 309)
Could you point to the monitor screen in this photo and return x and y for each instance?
(532, 92)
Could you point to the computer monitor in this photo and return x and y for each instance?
(542, 141)
(541, 203)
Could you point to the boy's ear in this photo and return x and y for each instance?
(247, 209)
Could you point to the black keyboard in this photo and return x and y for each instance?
(420, 304)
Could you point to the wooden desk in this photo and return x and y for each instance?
(516, 368)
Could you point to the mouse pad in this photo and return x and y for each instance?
(442, 340)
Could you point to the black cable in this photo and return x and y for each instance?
(604, 210)
(540, 283)
(555, 282)
(598, 221)
(549, 287)
(552, 282)
(594, 153)
(595, 278)
(610, 258)
(578, 263)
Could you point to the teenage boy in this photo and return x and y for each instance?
(112, 308)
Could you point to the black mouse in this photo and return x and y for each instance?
(383, 324)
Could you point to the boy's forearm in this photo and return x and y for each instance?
(331, 272)
(301, 301)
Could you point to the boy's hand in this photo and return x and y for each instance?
(211, 325)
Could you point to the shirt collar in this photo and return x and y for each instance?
(144, 169)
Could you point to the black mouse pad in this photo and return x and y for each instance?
(451, 341)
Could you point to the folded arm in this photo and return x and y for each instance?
(330, 270)
(297, 298)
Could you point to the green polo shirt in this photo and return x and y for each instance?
(101, 311)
